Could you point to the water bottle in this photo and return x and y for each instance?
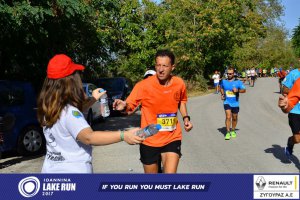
(105, 112)
(148, 130)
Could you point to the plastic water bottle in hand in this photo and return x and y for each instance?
(148, 130)
(105, 112)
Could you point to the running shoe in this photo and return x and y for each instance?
(227, 136)
(233, 134)
(288, 152)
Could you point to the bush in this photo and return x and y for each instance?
(197, 84)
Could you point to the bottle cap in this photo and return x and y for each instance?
(158, 126)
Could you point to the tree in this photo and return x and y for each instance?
(121, 37)
(296, 40)
(33, 31)
(270, 51)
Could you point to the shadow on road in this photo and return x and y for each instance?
(278, 152)
(223, 130)
(15, 159)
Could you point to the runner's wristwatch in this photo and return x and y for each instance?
(186, 117)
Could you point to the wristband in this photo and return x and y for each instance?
(186, 117)
(122, 135)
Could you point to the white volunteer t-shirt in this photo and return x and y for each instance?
(216, 78)
(64, 153)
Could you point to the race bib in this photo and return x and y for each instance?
(230, 93)
(167, 121)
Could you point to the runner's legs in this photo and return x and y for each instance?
(228, 119)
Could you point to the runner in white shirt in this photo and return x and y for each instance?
(248, 75)
(216, 78)
(252, 76)
(69, 137)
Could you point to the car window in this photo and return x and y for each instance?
(112, 85)
(90, 89)
(84, 88)
(11, 96)
(4, 96)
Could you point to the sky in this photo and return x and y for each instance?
(291, 14)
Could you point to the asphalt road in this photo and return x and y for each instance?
(262, 132)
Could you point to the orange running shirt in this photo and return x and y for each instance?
(281, 74)
(158, 101)
(294, 95)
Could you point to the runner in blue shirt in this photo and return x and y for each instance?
(294, 114)
(230, 89)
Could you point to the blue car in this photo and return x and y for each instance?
(93, 113)
(19, 128)
(117, 88)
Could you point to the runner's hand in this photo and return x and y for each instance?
(222, 97)
(119, 104)
(283, 101)
(235, 90)
(97, 94)
(187, 125)
(131, 138)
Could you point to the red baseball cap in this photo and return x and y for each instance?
(61, 66)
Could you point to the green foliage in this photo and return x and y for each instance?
(271, 51)
(121, 37)
(296, 40)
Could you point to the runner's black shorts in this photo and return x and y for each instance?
(151, 155)
(233, 109)
(294, 122)
(280, 80)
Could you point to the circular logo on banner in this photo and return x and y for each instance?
(30, 186)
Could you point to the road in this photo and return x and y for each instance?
(262, 133)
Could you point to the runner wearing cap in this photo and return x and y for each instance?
(69, 137)
(148, 73)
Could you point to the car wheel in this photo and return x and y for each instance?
(31, 141)
(90, 117)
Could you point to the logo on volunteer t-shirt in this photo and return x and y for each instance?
(76, 114)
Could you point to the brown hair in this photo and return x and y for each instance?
(56, 94)
(230, 68)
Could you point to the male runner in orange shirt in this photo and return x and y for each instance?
(160, 97)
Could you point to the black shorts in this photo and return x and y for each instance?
(280, 80)
(294, 122)
(233, 109)
(151, 155)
